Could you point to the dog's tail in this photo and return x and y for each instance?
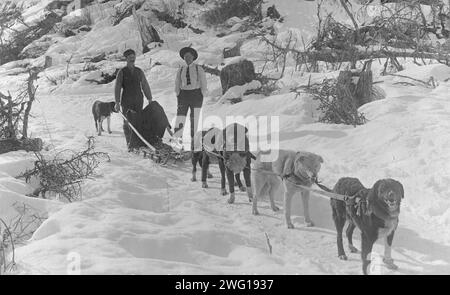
(93, 114)
(261, 152)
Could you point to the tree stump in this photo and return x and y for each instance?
(48, 61)
(26, 144)
(146, 30)
(355, 88)
(273, 13)
(345, 87)
(234, 51)
(363, 90)
(237, 74)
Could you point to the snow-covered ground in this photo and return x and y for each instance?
(137, 217)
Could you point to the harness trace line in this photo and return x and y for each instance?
(326, 192)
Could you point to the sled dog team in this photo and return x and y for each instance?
(374, 211)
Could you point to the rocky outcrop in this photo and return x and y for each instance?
(58, 4)
(37, 48)
(273, 13)
(237, 73)
(27, 36)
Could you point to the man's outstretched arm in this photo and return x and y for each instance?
(146, 87)
(118, 89)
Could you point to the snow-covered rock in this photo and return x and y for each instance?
(239, 90)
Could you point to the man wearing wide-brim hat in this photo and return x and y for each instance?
(190, 88)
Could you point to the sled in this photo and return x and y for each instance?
(161, 153)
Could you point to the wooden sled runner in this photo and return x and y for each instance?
(163, 152)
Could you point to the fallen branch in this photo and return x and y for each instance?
(335, 102)
(268, 243)
(355, 54)
(19, 230)
(64, 176)
(335, 55)
(5, 235)
(430, 83)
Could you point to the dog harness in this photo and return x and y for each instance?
(361, 204)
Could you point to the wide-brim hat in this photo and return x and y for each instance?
(185, 50)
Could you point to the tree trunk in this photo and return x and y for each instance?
(7, 112)
(31, 92)
(27, 144)
(345, 88)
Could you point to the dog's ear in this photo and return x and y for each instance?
(362, 193)
(372, 196)
(283, 166)
(288, 167)
(299, 159)
(320, 159)
(400, 188)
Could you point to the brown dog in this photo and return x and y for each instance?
(100, 111)
(374, 211)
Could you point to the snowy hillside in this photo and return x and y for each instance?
(137, 217)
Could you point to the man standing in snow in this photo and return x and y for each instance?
(133, 81)
(190, 88)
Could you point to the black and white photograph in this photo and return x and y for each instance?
(244, 138)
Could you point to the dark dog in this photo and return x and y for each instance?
(102, 110)
(374, 211)
(232, 159)
(197, 154)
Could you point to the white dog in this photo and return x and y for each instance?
(290, 168)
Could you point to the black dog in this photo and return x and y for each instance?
(102, 110)
(231, 158)
(374, 211)
(197, 154)
(197, 158)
